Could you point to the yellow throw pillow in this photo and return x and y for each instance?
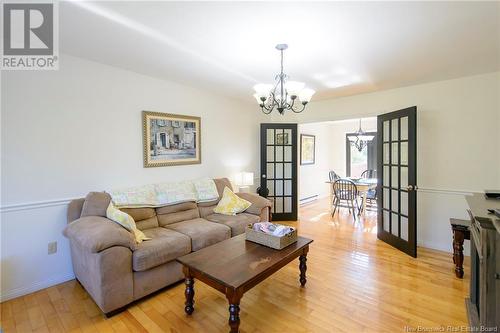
(125, 221)
(231, 204)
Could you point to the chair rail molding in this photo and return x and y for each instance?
(34, 205)
(426, 189)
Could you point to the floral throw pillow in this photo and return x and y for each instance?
(231, 204)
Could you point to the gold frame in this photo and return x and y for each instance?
(146, 116)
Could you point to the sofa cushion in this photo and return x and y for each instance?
(237, 223)
(206, 210)
(145, 218)
(222, 183)
(95, 204)
(165, 245)
(177, 213)
(202, 232)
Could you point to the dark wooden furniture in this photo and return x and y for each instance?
(460, 229)
(483, 305)
(234, 266)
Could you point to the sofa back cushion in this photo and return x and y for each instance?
(145, 218)
(177, 213)
(221, 183)
(95, 204)
(207, 208)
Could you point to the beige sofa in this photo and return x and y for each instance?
(115, 270)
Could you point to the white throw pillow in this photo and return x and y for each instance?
(206, 190)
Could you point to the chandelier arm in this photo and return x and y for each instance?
(299, 110)
(268, 110)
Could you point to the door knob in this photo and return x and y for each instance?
(263, 176)
(410, 188)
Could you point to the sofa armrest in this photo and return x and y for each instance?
(96, 233)
(258, 202)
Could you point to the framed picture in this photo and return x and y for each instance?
(307, 149)
(282, 139)
(170, 139)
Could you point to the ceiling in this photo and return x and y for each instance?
(337, 48)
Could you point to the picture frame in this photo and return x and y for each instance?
(282, 139)
(307, 149)
(170, 139)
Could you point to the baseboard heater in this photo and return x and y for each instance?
(308, 199)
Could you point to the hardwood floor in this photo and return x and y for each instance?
(355, 284)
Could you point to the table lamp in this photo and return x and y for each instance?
(243, 180)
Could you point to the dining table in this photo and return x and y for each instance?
(362, 184)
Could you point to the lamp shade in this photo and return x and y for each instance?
(306, 95)
(243, 179)
(262, 89)
(258, 98)
(294, 88)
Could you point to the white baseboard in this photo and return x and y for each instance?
(312, 199)
(21, 291)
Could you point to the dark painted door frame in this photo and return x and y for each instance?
(276, 213)
(393, 215)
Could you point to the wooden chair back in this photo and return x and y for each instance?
(333, 176)
(370, 173)
(345, 189)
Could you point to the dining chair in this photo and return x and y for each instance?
(370, 173)
(345, 190)
(371, 195)
(333, 176)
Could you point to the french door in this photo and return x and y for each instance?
(278, 168)
(397, 179)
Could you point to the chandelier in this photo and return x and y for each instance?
(284, 95)
(359, 139)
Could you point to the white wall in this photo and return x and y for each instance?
(457, 137)
(312, 177)
(68, 132)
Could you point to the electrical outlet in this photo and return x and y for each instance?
(52, 248)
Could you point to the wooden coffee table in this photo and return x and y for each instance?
(235, 265)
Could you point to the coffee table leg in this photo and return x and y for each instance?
(303, 267)
(234, 298)
(189, 292)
